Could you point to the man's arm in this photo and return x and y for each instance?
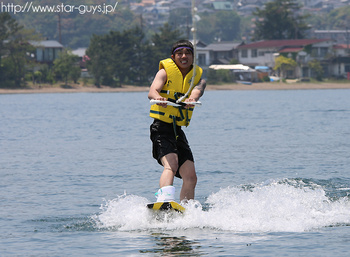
(198, 91)
(157, 86)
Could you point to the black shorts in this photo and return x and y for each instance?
(165, 142)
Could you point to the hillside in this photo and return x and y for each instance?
(74, 25)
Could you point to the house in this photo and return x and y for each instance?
(341, 61)
(312, 3)
(222, 52)
(202, 56)
(222, 6)
(81, 53)
(83, 58)
(215, 53)
(341, 50)
(301, 50)
(46, 51)
(145, 3)
(247, 10)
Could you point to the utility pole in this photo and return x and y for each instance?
(141, 22)
(347, 40)
(59, 28)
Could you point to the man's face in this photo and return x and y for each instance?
(183, 58)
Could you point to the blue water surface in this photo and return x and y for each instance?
(273, 176)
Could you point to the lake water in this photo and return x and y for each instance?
(273, 176)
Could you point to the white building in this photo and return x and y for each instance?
(300, 50)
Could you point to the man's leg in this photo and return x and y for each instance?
(167, 190)
(189, 178)
(170, 164)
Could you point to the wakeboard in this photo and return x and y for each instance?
(166, 206)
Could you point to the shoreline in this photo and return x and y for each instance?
(254, 86)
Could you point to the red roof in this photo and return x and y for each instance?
(291, 50)
(281, 43)
(341, 46)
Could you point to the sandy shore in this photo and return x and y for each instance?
(255, 86)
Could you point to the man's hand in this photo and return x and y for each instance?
(164, 105)
(191, 100)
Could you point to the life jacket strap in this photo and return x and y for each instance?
(174, 126)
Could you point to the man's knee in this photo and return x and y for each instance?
(170, 162)
(188, 173)
(192, 179)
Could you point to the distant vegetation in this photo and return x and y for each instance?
(14, 49)
(113, 59)
(127, 57)
(122, 49)
(280, 20)
(77, 29)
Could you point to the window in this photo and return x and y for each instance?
(39, 54)
(244, 53)
(201, 59)
(314, 52)
(48, 54)
(324, 51)
(301, 58)
(254, 53)
(347, 68)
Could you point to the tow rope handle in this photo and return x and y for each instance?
(172, 102)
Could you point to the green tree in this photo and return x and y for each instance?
(316, 68)
(65, 66)
(283, 64)
(127, 57)
(14, 49)
(280, 19)
(339, 18)
(185, 24)
(98, 63)
(118, 57)
(160, 48)
(220, 76)
(19, 50)
(219, 26)
(162, 43)
(8, 28)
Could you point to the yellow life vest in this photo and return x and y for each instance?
(175, 87)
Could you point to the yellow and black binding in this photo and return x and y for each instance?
(166, 206)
